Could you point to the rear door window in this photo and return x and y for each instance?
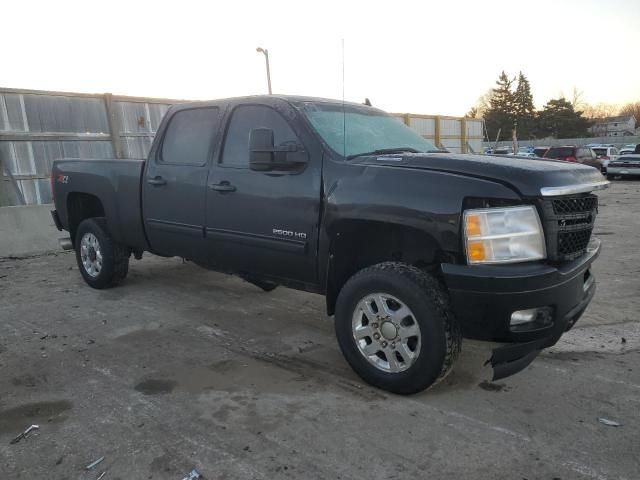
(189, 136)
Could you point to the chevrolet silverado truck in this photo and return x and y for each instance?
(413, 247)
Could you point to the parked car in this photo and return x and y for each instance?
(624, 166)
(606, 155)
(412, 247)
(628, 149)
(502, 151)
(540, 151)
(575, 154)
(524, 154)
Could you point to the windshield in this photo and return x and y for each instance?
(600, 151)
(366, 129)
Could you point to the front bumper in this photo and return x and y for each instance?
(485, 296)
(623, 170)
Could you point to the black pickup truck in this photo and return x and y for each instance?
(413, 247)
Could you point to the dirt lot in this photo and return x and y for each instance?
(181, 368)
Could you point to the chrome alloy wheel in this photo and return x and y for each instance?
(386, 332)
(91, 254)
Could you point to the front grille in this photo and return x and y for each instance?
(563, 206)
(571, 242)
(568, 223)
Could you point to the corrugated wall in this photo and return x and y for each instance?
(38, 127)
(447, 132)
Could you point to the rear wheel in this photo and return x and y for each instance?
(396, 329)
(102, 261)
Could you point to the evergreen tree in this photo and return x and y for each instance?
(523, 108)
(501, 114)
(559, 120)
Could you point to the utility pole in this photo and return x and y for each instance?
(266, 59)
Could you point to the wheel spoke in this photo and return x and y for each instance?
(406, 354)
(409, 331)
(371, 349)
(400, 314)
(383, 308)
(367, 310)
(363, 332)
(394, 365)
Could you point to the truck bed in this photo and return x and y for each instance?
(117, 185)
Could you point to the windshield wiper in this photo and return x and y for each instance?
(382, 151)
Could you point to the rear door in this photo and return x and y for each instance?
(174, 186)
(265, 223)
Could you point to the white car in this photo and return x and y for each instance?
(628, 149)
(606, 154)
(524, 154)
(624, 166)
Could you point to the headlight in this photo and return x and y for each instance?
(503, 235)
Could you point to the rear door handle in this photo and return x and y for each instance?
(222, 187)
(157, 181)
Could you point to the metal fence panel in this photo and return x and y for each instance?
(62, 114)
(450, 127)
(11, 117)
(424, 126)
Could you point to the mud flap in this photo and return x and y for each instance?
(511, 359)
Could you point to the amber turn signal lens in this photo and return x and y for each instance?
(476, 251)
(473, 226)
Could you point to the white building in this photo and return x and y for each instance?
(614, 126)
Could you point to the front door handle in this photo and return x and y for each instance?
(222, 187)
(157, 181)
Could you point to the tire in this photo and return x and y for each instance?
(114, 264)
(430, 358)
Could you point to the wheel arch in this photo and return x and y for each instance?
(80, 206)
(355, 244)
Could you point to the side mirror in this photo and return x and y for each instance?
(264, 156)
(261, 149)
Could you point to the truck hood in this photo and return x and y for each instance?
(527, 176)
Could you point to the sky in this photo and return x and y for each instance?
(406, 56)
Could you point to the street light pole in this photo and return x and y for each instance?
(266, 58)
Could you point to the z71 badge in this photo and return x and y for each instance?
(62, 179)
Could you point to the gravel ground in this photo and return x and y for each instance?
(181, 368)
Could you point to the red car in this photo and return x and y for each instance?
(570, 153)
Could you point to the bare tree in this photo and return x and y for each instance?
(577, 98)
(481, 105)
(632, 108)
(599, 110)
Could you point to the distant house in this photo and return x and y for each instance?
(614, 126)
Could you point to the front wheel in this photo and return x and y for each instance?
(396, 329)
(102, 261)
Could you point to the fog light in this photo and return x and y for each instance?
(531, 319)
(523, 316)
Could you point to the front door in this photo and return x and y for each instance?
(264, 223)
(175, 183)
